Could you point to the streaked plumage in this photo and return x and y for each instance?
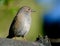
(21, 23)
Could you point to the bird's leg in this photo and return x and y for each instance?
(24, 38)
(15, 37)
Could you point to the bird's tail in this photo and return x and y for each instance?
(9, 36)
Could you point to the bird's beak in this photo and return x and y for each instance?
(33, 11)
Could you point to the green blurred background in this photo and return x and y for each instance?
(9, 8)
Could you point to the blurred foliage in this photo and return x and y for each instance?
(4, 2)
(9, 8)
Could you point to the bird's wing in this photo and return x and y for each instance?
(16, 23)
(11, 32)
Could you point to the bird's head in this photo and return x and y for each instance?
(26, 10)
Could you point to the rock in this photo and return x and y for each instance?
(44, 41)
(40, 41)
(47, 41)
(11, 42)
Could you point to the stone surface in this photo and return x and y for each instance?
(11, 42)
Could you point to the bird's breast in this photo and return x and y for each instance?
(27, 23)
(23, 25)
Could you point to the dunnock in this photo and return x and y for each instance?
(21, 23)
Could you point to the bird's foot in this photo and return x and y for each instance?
(24, 39)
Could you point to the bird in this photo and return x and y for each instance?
(21, 23)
